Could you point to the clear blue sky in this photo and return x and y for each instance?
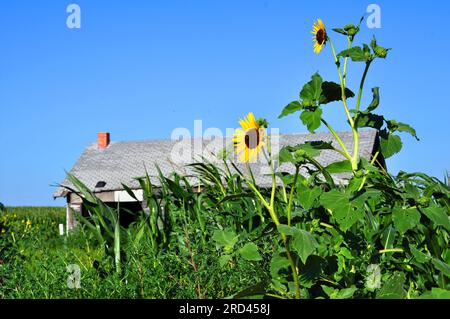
(139, 69)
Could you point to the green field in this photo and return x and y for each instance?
(34, 260)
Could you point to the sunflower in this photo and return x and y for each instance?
(248, 140)
(320, 35)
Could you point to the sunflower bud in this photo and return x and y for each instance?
(423, 201)
(351, 29)
(262, 122)
(359, 174)
(381, 52)
(299, 154)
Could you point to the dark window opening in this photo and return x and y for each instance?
(100, 184)
(126, 210)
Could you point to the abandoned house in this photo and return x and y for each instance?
(104, 166)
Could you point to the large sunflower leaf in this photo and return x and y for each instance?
(312, 119)
(304, 244)
(390, 144)
(355, 53)
(405, 219)
(332, 91)
(438, 216)
(312, 90)
(393, 125)
(393, 287)
(291, 108)
(277, 263)
(339, 167)
(345, 212)
(370, 120)
(307, 196)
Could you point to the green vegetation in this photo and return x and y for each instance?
(380, 236)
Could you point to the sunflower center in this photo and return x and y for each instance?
(321, 36)
(252, 138)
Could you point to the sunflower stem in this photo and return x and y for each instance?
(345, 153)
(342, 76)
(291, 194)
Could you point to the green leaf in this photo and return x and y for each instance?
(304, 244)
(436, 293)
(250, 252)
(345, 212)
(378, 50)
(286, 230)
(312, 90)
(256, 291)
(331, 292)
(402, 127)
(224, 260)
(441, 266)
(313, 148)
(332, 91)
(419, 256)
(375, 101)
(307, 196)
(310, 272)
(355, 53)
(130, 192)
(393, 125)
(370, 120)
(297, 154)
(285, 155)
(291, 108)
(347, 215)
(276, 264)
(388, 237)
(311, 119)
(390, 144)
(334, 199)
(225, 238)
(339, 294)
(438, 216)
(405, 219)
(339, 30)
(346, 293)
(393, 287)
(339, 167)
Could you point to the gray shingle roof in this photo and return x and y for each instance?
(121, 162)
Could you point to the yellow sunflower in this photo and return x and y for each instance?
(320, 35)
(248, 140)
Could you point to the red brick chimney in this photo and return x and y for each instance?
(103, 140)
